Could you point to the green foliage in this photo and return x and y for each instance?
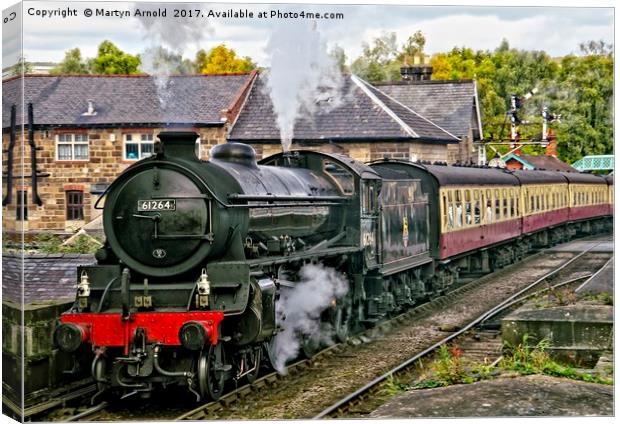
(393, 386)
(379, 60)
(163, 61)
(51, 243)
(604, 298)
(73, 63)
(21, 67)
(414, 46)
(448, 369)
(527, 359)
(338, 54)
(111, 60)
(220, 59)
(579, 87)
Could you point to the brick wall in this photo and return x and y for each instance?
(105, 163)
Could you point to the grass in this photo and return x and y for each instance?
(604, 298)
(526, 359)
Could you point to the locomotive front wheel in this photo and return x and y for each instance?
(211, 373)
(270, 352)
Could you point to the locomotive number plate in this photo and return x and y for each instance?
(157, 205)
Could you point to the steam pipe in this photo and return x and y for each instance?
(162, 371)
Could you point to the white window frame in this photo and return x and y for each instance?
(72, 142)
(139, 141)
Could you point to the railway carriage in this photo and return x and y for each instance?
(589, 196)
(546, 201)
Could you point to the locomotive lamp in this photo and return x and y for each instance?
(203, 289)
(83, 290)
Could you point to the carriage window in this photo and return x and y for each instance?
(341, 176)
(458, 209)
(447, 223)
(468, 214)
(488, 207)
(450, 210)
(517, 206)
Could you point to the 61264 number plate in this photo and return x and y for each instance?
(157, 205)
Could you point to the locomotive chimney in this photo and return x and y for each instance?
(180, 144)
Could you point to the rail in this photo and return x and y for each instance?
(475, 322)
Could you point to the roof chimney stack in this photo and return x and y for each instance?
(420, 71)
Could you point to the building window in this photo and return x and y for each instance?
(138, 146)
(72, 147)
(21, 212)
(75, 205)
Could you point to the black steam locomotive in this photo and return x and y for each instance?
(197, 253)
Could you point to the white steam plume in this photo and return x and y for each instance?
(167, 39)
(302, 75)
(299, 309)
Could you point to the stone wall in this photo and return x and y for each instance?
(370, 151)
(105, 163)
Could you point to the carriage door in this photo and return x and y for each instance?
(370, 220)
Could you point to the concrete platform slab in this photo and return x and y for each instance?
(533, 395)
(601, 282)
(581, 245)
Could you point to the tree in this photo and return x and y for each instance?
(220, 59)
(112, 60)
(412, 48)
(162, 61)
(21, 67)
(339, 56)
(72, 64)
(378, 61)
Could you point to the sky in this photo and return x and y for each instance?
(557, 30)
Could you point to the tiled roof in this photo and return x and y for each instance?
(449, 104)
(363, 114)
(549, 163)
(120, 99)
(47, 277)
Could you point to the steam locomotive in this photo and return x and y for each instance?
(197, 253)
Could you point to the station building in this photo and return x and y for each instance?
(88, 128)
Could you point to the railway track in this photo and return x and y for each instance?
(210, 411)
(304, 368)
(490, 339)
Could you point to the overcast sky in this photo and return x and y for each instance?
(553, 29)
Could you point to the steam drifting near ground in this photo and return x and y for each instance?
(299, 309)
(302, 75)
(166, 42)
